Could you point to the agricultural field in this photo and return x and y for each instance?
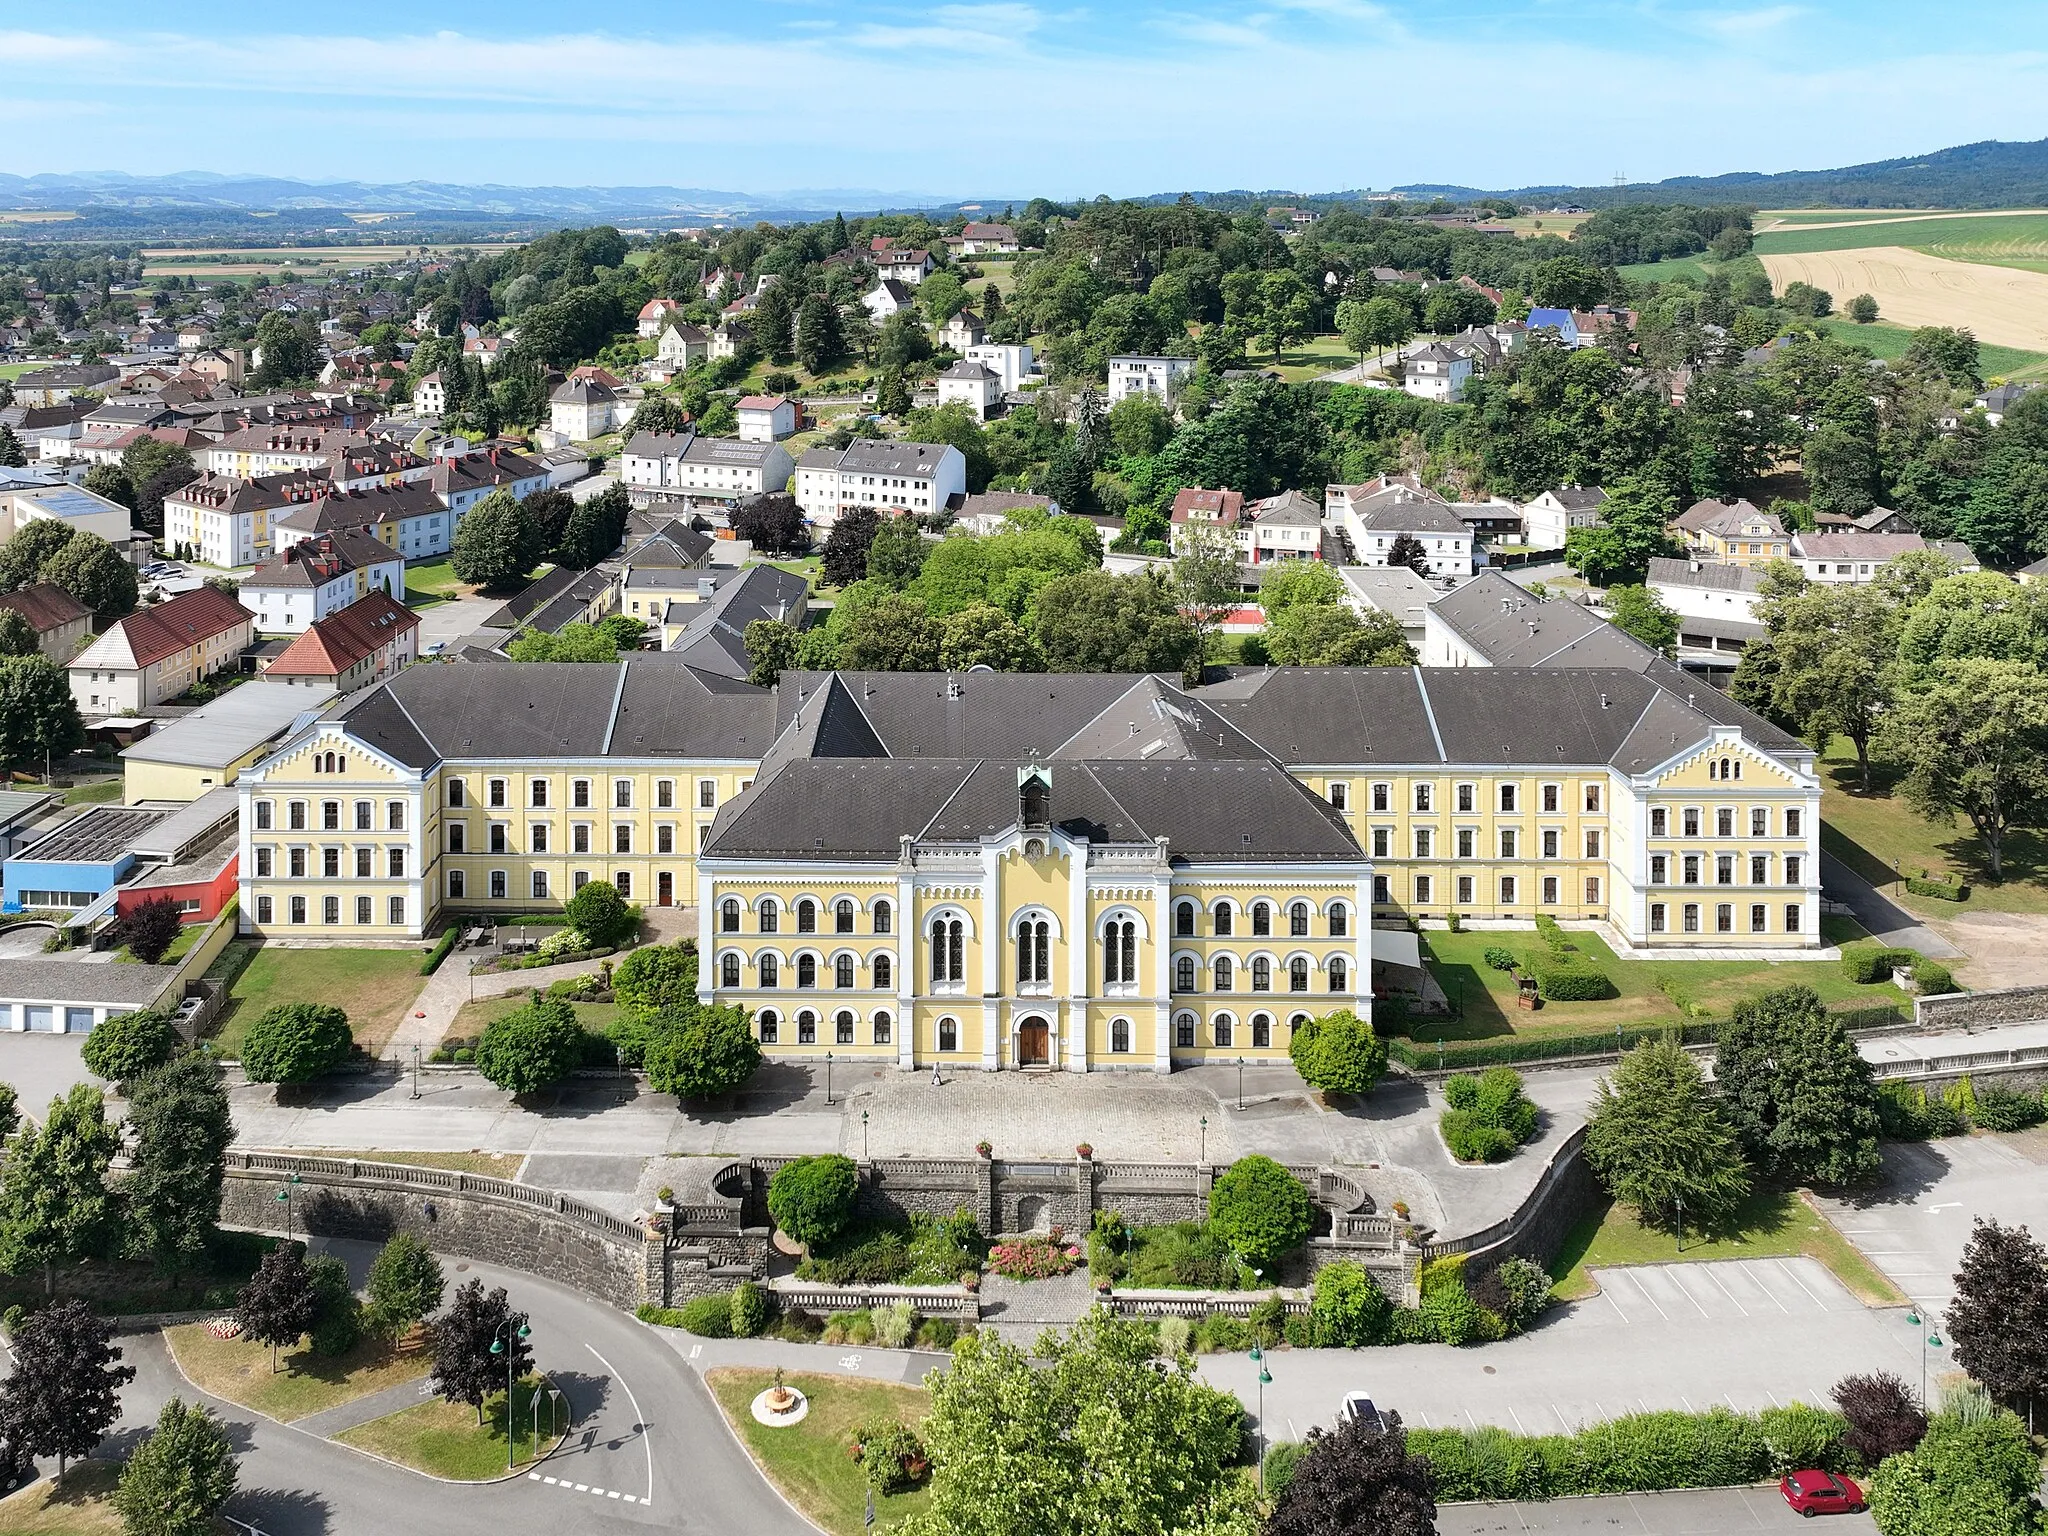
(2005, 306)
(1529, 225)
(1888, 340)
(303, 260)
(1959, 236)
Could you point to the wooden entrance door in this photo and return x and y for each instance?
(1033, 1044)
(665, 889)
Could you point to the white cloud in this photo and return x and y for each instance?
(1740, 26)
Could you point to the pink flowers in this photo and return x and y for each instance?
(1033, 1258)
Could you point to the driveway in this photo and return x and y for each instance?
(1885, 918)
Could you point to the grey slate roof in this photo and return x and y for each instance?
(715, 636)
(1712, 575)
(1507, 626)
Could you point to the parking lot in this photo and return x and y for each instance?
(1687, 1512)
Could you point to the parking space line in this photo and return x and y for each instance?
(1678, 1280)
(1725, 1291)
(1520, 1427)
(1787, 1265)
(1607, 1290)
(1561, 1418)
(1649, 1298)
(1756, 1277)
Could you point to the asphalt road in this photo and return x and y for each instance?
(650, 1449)
(1687, 1512)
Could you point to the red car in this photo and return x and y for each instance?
(1821, 1493)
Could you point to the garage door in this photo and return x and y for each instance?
(42, 1018)
(78, 1021)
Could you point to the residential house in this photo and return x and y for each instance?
(47, 433)
(978, 239)
(1876, 520)
(226, 521)
(1436, 373)
(962, 331)
(364, 643)
(582, 409)
(1716, 607)
(462, 478)
(919, 478)
(1373, 516)
(1733, 531)
(767, 418)
(682, 345)
(907, 267)
(408, 517)
(305, 582)
(986, 512)
(731, 338)
(1491, 622)
(155, 654)
(1559, 323)
(1194, 507)
(430, 395)
(60, 621)
(656, 314)
(971, 384)
(1547, 521)
(1394, 590)
(221, 365)
(559, 598)
(887, 297)
(706, 629)
(1156, 376)
(690, 468)
(54, 386)
(672, 544)
(72, 505)
(1854, 559)
(1995, 402)
(486, 349)
(1284, 527)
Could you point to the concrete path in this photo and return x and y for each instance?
(1887, 921)
(452, 985)
(1683, 1512)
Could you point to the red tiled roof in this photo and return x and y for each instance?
(156, 633)
(1223, 506)
(329, 647)
(45, 605)
(761, 402)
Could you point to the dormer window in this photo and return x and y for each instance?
(1034, 801)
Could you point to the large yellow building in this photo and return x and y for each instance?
(1075, 871)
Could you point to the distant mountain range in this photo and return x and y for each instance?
(1992, 174)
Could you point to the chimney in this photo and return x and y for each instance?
(1606, 702)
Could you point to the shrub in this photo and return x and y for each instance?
(1960, 1097)
(812, 1198)
(709, 1317)
(1488, 1116)
(1186, 1253)
(1452, 923)
(127, 1045)
(894, 1324)
(1943, 888)
(698, 1051)
(1339, 1053)
(1799, 1437)
(1881, 1417)
(1865, 966)
(942, 1248)
(1176, 1334)
(531, 1048)
(857, 1327)
(1500, 959)
(405, 1285)
(441, 950)
(862, 1253)
(1281, 1461)
(295, 1042)
(2004, 1109)
(1033, 1258)
(1471, 1140)
(1571, 981)
(1220, 1333)
(1348, 1309)
(1931, 977)
(1261, 1210)
(751, 1311)
(886, 1453)
(937, 1333)
(152, 928)
(658, 977)
(600, 913)
(1452, 1315)
(1269, 1320)
(337, 1315)
(1516, 1290)
(562, 941)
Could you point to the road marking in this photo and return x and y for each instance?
(1520, 1427)
(1946, 1205)
(1687, 1293)
(849, 1362)
(1651, 1299)
(1561, 1418)
(1608, 1291)
(1787, 1267)
(1685, 1400)
(613, 1494)
(547, 1480)
(583, 1487)
(696, 1350)
(639, 1418)
(534, 1477)
(1726, 1292)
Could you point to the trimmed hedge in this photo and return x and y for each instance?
(1419, 1056)
(1638, 1453)
(441, 950)
(1931, 977)
(1947, 889)
(1864, 966)
(1571, 982)
(1500, 959)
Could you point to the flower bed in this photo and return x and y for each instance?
(1035, 1258)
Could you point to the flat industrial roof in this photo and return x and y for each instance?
(231, 727)
(99, 836)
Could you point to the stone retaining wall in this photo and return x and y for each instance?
(1981, 1010)
(1562, 1198)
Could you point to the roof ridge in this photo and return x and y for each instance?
(1429, 714)
(392, 694)
(1122, 809)
(974, 767)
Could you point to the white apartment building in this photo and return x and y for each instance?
(971, 384)
(1159, 376)
(683, 466)
(1376, 514)
(1011, 365)
(879, 473)
(1547, 521)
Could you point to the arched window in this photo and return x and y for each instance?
(807, 916)
(1297, 920)
(1034, 952)
(884, 969)
(949, 950)
(771, 917)
(881, 1029)
(882, 917)
(770, 1026)
(842, 1028)
(842, 971)
(1223, 1030)
(729, 915)
(1120, 1036)
(1120, 953)
(1340, 920)
(1262, 975)
(807, 1028)
(768, 968)
(1184, 920)
(1340, 973)
(1262, 920)
(1184, 974)
(728, 970)
(1223, 976)
(949, 1035)
(1224, 920)
(806, 970)
(1184, 1032)
(1297, 974)
(842, 916)
(1262, 1031)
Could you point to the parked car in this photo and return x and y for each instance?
(1357, 1408)
(1814, 1492)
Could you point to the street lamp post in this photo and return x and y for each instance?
(498, 1348)
(284, 1198)
(828, 1079)
(415, 1071)
(1205, 1138)
(1240, 1082)
(1265, 1377)
(1929, 1337)
(863, 1135)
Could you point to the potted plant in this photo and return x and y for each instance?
(970, 1279)
(1085, 1151)
(1401, 1210)
(665, 1195)
(780, 1398)
(984, 1148)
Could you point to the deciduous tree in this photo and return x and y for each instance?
(278, 1304)
(405, 1285)
(1974, 741)
(494, 543)
(1338, 1053)
(1969, 1477)
(773, 522)
(1358, 1478)
(984, 635)
(531, 1048)
(1883, 1417)
(151, 928)
(176, 1481)
(64, 1393)
(844, 558)
(1640, 612)
(1797, 1091)
(465, 1370)
(39, 717)
(1095, 622)
(1261, 1210)
(123, 1046)
(702, 1051)
(296, 1042)
(179, 1114)
(55, 1206)
(771, 650)
(1999, 1318)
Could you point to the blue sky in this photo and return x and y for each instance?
(1012, 97)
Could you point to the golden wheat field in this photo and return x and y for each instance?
(2005, 306)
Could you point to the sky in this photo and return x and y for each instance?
(1010, 98)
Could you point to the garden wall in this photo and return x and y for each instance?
(464, 1214)
(1562, 1198)
(1981, 1010)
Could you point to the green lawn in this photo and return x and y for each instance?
(470, 1021)
(1870, 833)
(187, 937)
(1886, 340)
(374, 987)
(1771, 1224)
(1698, 268)
(2015, 234)
(1307, 360)
(84, 1506)
(16, 370)
(240, 1371)
(93, 794)
(1650, 991)
(810, 1462)
(444, 1439)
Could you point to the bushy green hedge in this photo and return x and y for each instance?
(1931, 977)
(812, 1198)
(709, 1317)
(1906, 1112)
(751, 1310)
(1565, 975)
(1421, 1056)
(1488, 1116)
(1864, 966)
(1948, 888)
(1500, 959)
(1638, 1453)
(441, 949)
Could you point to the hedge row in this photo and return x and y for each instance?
(1906, 1113)
(441, 950)
(1949, 889)
(1565, 975)
(1421, 1056)
(1639, 1453)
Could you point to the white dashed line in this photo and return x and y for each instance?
(583, 1487)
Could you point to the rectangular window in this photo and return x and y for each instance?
(1550, 837)
(262, 815)
(1422, 796)
(1593, 797)
(1424, 838)
(1550, 890)
(263, 909)
(498, 837)
(538, 793)
(1659, 821)
(1724, 869)
(330, 909)
(1551, 792)
(1759, 869)
(458, 837)
(298, 909)
(1692, 917)
(1692, 869)
(1465, 836)
(1382, 893)
(364, 908)
(622, 793)
(707, 794)
(394, 912)
(1724, 917)
(1656, 917)
(1383, 797)
(1507, 797)
(622, 838)
(1759, 918)
(262, 863)
(540, 885)
(1593, 843)
(1759, 822)
(363, 857)
(540, 837)
(1382, 842)
(1464, 890)
(1792, 821)
(330, 815)
(296, 817)
(1660, 869)
(579, 837)
(457, 796)
(1507, 890)
(497, 794)
(1724, 821)
(1340, 796)
(1692, 822)
(1422, 889)
(1592, 890)
(498, 886)
(1792, 910)
(457, 881)
(1792, 868)
(296, 863)
(394, 815)
(665, 838)
(330, 863)
(579, 794)
(1507, 842)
